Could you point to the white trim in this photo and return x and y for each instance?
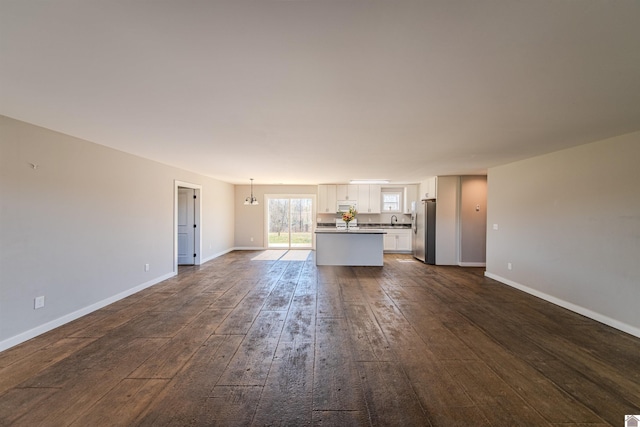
(472, 264)
(400, 191)
(569, 306)
(46, 327)
(265, 202)
(219, 254)
(249, 248)
(198, 235)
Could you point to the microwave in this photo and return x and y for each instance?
(344, 205)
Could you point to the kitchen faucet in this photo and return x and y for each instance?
(393, 216)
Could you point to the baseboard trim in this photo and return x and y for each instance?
(46, 327)
(249, 248)
(472, 264)
(216, 255)
(632, 330)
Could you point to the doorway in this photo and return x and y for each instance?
(186, 226)
(187, 230)
(289, 221)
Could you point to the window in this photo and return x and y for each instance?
(289, 221)
(391, 201)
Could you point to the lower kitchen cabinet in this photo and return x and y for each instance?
(397, 240)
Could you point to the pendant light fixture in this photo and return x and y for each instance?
(250, 200)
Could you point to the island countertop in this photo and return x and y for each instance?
(351, 231)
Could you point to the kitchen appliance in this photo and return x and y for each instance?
(344, 205)
(423, 224)
(342, 224)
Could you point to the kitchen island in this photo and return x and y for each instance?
(363, 247)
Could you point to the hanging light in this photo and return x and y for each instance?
(250, 200)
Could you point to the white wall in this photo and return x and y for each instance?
(250, 219)
(80, 227)
(473, 220)
(447, 220)
(569, 223)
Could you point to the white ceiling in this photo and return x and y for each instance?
(306, 92)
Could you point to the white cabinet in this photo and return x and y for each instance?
(374, 198)
(430, 187)
(410, 195)
(389, 242)
(368, 198)
(397, 240)
(327, 200)
(404, 241)
(347, 192)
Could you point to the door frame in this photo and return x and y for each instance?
(197, 215)
(314, 209)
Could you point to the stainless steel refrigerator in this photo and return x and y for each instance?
(423, 224)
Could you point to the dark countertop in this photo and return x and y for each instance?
(365, 225)
(334, 230)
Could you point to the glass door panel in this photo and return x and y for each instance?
(301, 223)
(290, 223)
(279, 234)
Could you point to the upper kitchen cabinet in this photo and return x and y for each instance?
(369, 198)
(410, 195)
(327, 199)
(429, 188)
(347, 192)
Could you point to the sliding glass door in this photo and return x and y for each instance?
(289, 222)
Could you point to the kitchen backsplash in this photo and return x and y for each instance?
(368, 224)
(384, 219)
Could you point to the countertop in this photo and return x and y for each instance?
(334, 230)
(370, 225)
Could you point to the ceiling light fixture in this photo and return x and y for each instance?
(250, 200)
(369, 181)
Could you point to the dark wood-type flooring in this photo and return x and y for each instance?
(246, 342)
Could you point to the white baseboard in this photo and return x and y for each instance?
(216, 255)
(472, 264)
(46, 327)
(249, 248)
(632, 330)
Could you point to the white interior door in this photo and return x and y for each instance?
(186, 226)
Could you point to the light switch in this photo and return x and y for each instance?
(495, 226)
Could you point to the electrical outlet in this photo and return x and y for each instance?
(146, 267)
(495, 226)
(252, 239)
(38, 302)
(509, 266)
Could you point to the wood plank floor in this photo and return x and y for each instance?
(240, 341)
